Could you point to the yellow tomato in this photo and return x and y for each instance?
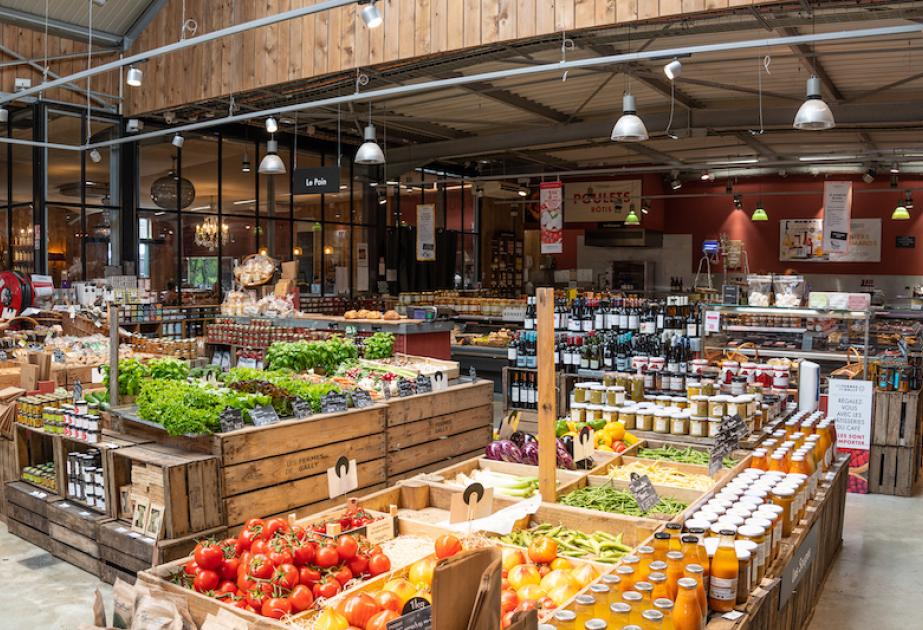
(402, 588)
(425, 594)
(584, 574)
(511, 558)
(530, 592)
(605, 448)
(523, 575)
(561, 563)
(563, 593)
(329, 619)
(421, 572)
(616, 430)
(557, 578)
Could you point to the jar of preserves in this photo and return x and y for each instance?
(716, 406)
(644, 418)
(699, 405)
(698, 426)
(661, 421)
(679, 423)
(627, 416)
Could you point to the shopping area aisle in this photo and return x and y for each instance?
(40, 591)
(875, 580)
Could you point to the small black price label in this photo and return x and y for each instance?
(333, 402)
(302, 408)
(361, 399)
(643, 491)
(405, 388)
(263, 416)
(57, 356)
(424, 384)
(78, 391)
(231, 419)
(417, 614)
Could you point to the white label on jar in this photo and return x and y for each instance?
(660, 425)
(723, 589)
(647, 328)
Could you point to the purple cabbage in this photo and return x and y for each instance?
(493, 452)
(565, 460)
(530, 453)
(503, 451)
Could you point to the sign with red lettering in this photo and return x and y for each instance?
(552, 218)
(601, 201)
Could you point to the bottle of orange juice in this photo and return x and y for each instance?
(697, 573)
(722, 585)
(661, 545)
(674, 571)
(687, 614)
(659, 581)
(759, 459)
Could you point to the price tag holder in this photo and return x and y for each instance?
(404, 388)
(380, 531)
(302, 408)
(231, 419)
(417, 614)
(508, 425)
(424, 384)
(333, 402)
(643, 491)
(361, 399)
(57, 356)
(440, 382)
(584, 447)
(264, 416)
(78, 391)
(351, 331)
(96, 376)
(343, 478)
(473, 503)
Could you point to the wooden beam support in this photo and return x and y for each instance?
(547, 395)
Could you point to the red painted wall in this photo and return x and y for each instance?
(707, 217)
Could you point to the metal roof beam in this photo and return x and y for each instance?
(643, 75)
(738, 88)
(748, 139)
(96, 97)
(811, 61)
(60, 28)
(143, 21)
(485, 89)
(659, 157)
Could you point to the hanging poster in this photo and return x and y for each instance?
(802, 239)
(362, 266)
(837, 209)
(426, 232)
(552, 212)
(601, 201)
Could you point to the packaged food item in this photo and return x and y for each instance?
(760, 289)
(788, 290)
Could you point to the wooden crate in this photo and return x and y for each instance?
(34, 447)
(897, 419)
(75, 526)
(191, 485)
(893, 469)
(448, 474)
(9, 470)
(28, 512)
(124, 552)
(432, 429)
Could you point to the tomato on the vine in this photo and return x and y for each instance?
(378, 564)
(347, 547)
(301, 598)
(227, 587)
(260, 567)
(229, 568)
(276, 607)
(256, 597)
(231, 547)
(274, 525)
(447, 546)
(191, 568)
(260, 546)
(303, 552)
(342, 575)
(205, 580)
(326, 557)
(308, 576)
(285, 575)
(280, 554)
(359, 565)
(327, 587)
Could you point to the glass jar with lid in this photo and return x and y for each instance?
(661, 420)
(679, 423)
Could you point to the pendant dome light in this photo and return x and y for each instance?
(632, 218)
(814, 114)
(370, 153)
(759, 214)
(271, 163)
(902, 211)
(371, 14)
(629, 128)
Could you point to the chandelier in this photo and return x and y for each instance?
(206, 233)
(172, 192)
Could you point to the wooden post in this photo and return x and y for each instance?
(547, 395)
(114, 355)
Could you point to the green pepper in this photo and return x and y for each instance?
(560, 428)
(597, 425)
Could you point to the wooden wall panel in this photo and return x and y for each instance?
(337, 40)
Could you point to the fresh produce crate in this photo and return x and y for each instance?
(446, 476)
(430, 429)
(35, 447)
(897, 419)
(77, 528)
(28, 512)
(9, 470)
(190, 482)
(893, 469)
(685, 496)
(122, 552)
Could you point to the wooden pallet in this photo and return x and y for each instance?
(28, 512)
(9, 470)
(898, 419)
(893, 469)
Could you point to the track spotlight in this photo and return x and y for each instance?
(245, 164)
(135, 76)
(707, 176)
(738, 202)
(96, 156)
(673, 69)
(676, 184)
(869, 176)
(178, 141)
(895, 168)
(371, 14)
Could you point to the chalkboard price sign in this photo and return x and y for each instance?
(302, 408)
(405, 388)
(424, 384)
(231, 419)
(58, 356)
(361, 399)
(643, 491)
(263, 416)
(333, 402)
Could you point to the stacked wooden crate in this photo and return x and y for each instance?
(897, 438)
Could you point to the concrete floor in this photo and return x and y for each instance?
(874, 582)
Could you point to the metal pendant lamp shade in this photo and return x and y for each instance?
(632, 218)
(900, 213)
(629, 128)
(135, 76)
(370, 152)
(371, 15)
(272, 164)
(759, 214)
(814, 114)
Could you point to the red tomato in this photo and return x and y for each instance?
(543, 550)
(259, 546)
(303, 553)
(208, 555)
(256, 597)
(347, 547)
(246, 537)
(507, 619)
(206, 580)
(379, 620)
(231, 547)
(191, 568)
(387, 600)
(359, 608)
(342, 575)
(308, 576)
(280, 554)
(244, 581)
(358, 565)
(274, 525)
(227, 587)
(447, 546)
(260, 567)
(229, 568)
(285, 575)
(254, 523)
(508, 601)
(326, 557)
(326, 587)
(378, 564)
(301, 598)
(276, 607)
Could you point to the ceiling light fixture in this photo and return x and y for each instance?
(134, 77)
(814, 114)
(522, 193)
(245, 164)
(178, 141)
(869, 176)
(738, 202)
(645, 206)
(271, 125)
(908, 200)
(759, 214)
(272, 164)
(4, 115)
(895, 168)
(370, 152)
(707, 176)
(96, 156)
(632, 218)
(629, 127)
(673, 69)
(676, 184)
(371, 14)
(900, 213)
(825, 158)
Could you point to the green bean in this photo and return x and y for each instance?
(684, 456)
(599, 546)
(608, 499)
